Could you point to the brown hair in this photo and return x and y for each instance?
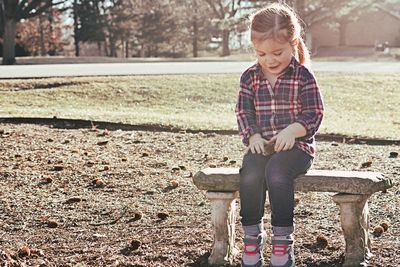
(279, 21)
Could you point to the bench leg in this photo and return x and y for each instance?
(223, 217)
(355, 225)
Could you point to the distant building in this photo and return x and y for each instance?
(375, 25)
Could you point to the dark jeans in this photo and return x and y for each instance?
(274, 173)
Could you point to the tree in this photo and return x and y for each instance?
(119, 21)
(104, 22)
(43, 34)
(340, 12)
(88, 22)
(11, 12)
(226, 20)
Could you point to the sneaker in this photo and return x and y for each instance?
(282, 251)
(253, 251)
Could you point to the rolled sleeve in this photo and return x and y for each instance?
(312, 111)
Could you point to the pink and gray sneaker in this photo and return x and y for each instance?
(253, 251)
(282, 251)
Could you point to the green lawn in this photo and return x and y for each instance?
(356, 104)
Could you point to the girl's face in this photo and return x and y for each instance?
(273, 56)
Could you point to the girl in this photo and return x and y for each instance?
(279, 108)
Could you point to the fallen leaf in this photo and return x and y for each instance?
(102, 143)
(385, 226)
(74, 200)
(378, 231)
(24, 251)
(322, 241)
(98, 183)
(366, 164)
(38, 252)
(138, 215)
(47, 180)
(296, 201)
(58, 168)
(135, 244)
(174, 183)
(162, 215)
(52, 224)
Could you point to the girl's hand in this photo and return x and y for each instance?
(256, 144)
(284, 140)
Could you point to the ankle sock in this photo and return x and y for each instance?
(253, 230)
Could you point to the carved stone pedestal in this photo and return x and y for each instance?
(355, 225)
(223, 216)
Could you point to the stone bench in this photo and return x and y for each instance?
(353, 188)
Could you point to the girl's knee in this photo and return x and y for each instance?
(253, 169)
(277, 174)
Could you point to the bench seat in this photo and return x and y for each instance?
(352, 182)
(353, 190)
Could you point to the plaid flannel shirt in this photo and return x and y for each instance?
(266, 110)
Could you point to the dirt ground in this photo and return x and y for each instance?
(89, 197)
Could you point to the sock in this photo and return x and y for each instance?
(253, 230)
(282, 230)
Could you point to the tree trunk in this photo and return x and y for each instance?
(127, 48)
(195, 37)
(142, 51)
(76, 29)
(51, 49)
(99, 48)
(113, 49)
(9, 41)
(41, 32)
(77, 51)
(106, 50)
(225, 43)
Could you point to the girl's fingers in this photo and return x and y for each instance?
(287, 146)
(279, 145)
(261, 146)
(258, 148)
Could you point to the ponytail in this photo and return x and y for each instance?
(303, 53)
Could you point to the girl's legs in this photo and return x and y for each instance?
(252, 189)
(252, 199)
(281, 170)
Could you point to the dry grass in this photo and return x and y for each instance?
(356, 104)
